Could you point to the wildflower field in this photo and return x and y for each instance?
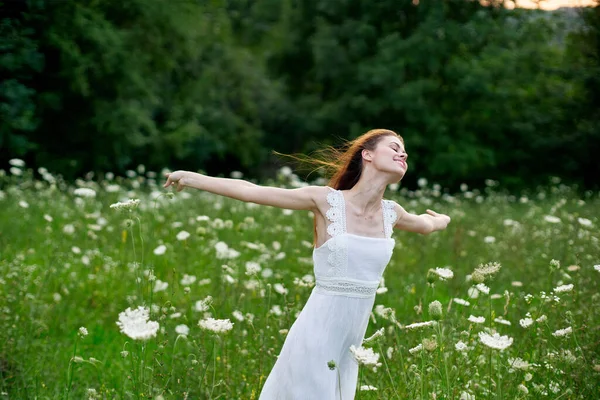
(113, 287)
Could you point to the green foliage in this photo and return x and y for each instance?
(477, 92)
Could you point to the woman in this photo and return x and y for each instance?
(353, 229)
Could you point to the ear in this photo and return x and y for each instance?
(366, 155)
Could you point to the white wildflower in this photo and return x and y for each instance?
(488, 269)
(374, 336)
(444, 273)
(473, 292)
(182, 330)
(82, 332)
(68, 229)
(16, 162)
(476, 320)
(563, 288)
(252, 268)
(526, 322)
(483, 288)
(159, 286)
(368, 388)
(461, 302)
(523, 389)
(128, 205)
(489, 239)
(188, 279)
(216, 325)
(551, 219)
(238, 315)
(584, 221)
(495, 341)
(84, 192)
(365, 356)
(136, 324)
(183, 235)
(416, 349)
(460, 346)
(203, 305)
(160, 250)
(418, 325)
(563, 332)
(279, 288)
(518, 363)
(502, 321)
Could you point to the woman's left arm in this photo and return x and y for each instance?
(423, 223)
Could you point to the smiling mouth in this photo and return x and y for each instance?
(402, 163)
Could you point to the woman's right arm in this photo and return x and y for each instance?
(303, 198)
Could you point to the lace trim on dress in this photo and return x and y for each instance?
(389, 217)
(346, 287)
(338, 244)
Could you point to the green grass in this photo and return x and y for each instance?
(53, 282)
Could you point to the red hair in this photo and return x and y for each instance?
(346, 164)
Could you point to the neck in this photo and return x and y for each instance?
(367, 194)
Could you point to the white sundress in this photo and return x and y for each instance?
(348, 269)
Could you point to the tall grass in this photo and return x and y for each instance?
(69, 261)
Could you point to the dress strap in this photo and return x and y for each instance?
(389, 217)
(336, 213)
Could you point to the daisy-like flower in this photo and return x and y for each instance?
(159, 286)
(476, 320)
(160, 250)
(584, 221)
(597, 267)
(368, 388)
(418, 325)
(489, 239)
(495, 341)
(203, 305)
(374, 336)
(136, 324)
(16, 162)
(416, 349)
(252, 268)
(502, 321)
(128, 205)
(518, 363)
(365, 356)
(482, 288)
(216, 325)
(563, 332)
(82, 332)
(443, 273)
(183, 235)
(552, 219)
(188, 279)
(461, 301)
(85, 192)
(279, 288)
(460, 346)
(563, 288)
(488, 269)
(182, 330)
(526, 322)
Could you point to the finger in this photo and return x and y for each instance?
(432, 213)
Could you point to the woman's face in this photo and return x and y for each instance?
(390, 156)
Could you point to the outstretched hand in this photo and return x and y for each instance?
(175, 178)
(442, 219)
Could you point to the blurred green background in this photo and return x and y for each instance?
(478, 92)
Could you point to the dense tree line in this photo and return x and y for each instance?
(477, 91)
